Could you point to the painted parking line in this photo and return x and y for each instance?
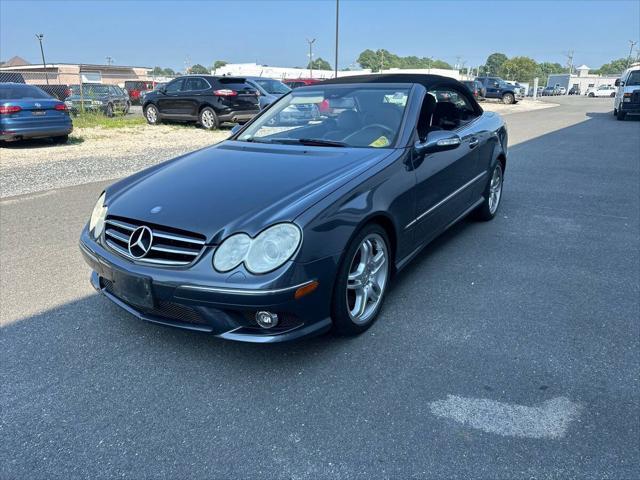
(550, 419)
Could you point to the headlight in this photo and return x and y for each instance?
(268, 251)
(232, 252)
(98, 215)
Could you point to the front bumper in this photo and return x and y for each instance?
(630, 108)
(226, 310)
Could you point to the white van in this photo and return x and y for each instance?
(627, 100)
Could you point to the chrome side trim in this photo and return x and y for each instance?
(445, 199)
(243, 291)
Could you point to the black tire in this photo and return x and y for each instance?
(613, 95)
(486, 211)
(61, 139)
(342, 321)
(591, 95)
(125, 111)
(620, 115)
(615, 112)
(152, 114)
(508, 99)
(208, 119)
(109, 110)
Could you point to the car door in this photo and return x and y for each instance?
(168, 101)
(444, 180)
(192, 96)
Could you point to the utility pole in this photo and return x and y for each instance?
(109, 60)
(631, 45)
(381, 60)
(336, 59)
(569, 56)
(40, 36)
(311, 42)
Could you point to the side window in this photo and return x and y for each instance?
(453, 108)
(195, 84)
(174, 86)
(112, 90)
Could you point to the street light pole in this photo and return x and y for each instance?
(40, 36)
(631, 45)
(310, 42)
(337, 17)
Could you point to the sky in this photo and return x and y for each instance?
(169, 33)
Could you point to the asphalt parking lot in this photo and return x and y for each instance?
(508, 349)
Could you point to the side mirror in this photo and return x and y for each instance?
(438, 141)
(236, 128)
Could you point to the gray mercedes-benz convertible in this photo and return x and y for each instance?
(291, 227)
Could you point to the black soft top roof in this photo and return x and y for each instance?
(428, 81)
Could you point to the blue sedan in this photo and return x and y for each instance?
(288, 229)
(29, 112)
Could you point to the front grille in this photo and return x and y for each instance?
(169, 247)
(163, 309)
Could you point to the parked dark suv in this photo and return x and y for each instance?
(495, 87)
(205, 99)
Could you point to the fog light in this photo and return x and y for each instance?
(267, 319)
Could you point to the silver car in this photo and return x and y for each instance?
(270, 89)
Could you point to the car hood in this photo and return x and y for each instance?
(236, 186)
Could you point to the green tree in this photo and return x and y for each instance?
(547, 68)
(369, 59)
(218, 64)
(494, 63)
(169, 72)
(157, 71)
(319, 64)
(614, 67)
(383, 59)
(199, 69)
(521, 69)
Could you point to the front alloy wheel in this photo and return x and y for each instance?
(362, 281)
(492, 195)
(151, 114)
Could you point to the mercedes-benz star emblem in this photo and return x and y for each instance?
(140, 242)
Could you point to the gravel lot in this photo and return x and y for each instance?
(100, 154)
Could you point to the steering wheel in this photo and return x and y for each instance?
(384, 128)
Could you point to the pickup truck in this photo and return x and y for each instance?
(495, 87)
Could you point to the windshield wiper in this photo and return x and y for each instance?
(312, 142)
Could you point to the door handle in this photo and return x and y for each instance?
(474, 143)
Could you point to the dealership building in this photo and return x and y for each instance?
(74, 73)
(583, 80)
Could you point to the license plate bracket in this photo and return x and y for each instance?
(39, 112)
(133, 289)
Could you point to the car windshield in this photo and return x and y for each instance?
(18, 92)
(272, 86)
(335, 115)
(634, 78)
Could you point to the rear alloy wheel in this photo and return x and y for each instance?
(151, 114)
(508, 99)
(591, 95)
(492, 195)
(362, 281)
(208, 119)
